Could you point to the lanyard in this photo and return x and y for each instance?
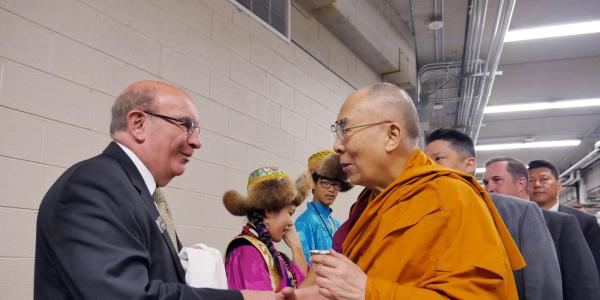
(329, 232)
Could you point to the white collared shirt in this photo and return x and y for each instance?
(146, 175)
(555, 206)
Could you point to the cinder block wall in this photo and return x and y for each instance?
(261, 100)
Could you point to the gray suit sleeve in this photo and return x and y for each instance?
(542, 279)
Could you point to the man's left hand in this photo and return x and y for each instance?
(338, 277)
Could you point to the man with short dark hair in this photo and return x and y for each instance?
(574, 257)
(316, 226)
(543, 188)
(541, 277)
(104, 229)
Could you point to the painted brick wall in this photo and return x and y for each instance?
(261, 100)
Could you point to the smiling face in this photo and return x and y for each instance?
(168, 147)
(543, 187)
(361, 150)
(279, 222)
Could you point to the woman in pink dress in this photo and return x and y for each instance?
(251, 259)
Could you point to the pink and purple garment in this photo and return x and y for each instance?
(246, 269)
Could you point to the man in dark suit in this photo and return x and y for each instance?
(541, 277)
(544, 186)
(509, 176)
(101, 234)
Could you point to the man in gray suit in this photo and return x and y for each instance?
(541, 278)
(505, 175)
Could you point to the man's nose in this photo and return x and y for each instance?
(194, 140)
(338, 146)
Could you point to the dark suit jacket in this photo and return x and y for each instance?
(541, 278)
(579, 274)
(591, 230)
(97, 238)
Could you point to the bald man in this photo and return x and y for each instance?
(104, 230)
(541, 278)
(418, 230)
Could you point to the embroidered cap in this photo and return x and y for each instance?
(265, 173)
(315, 161)
(269, 188)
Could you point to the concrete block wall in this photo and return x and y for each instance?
(261, 100)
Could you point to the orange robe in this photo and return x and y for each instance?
(433, 234)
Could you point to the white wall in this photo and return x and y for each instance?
(262, 101)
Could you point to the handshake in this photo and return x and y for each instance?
(332, 276)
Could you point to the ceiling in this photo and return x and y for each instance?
(544, 70)
(533, 71)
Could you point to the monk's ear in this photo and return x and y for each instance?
(135, 125)
(394, 136)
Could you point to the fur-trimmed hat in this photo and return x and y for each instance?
(269, 188)
(326, 164)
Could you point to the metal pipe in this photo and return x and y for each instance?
(496, 45)
(587, 160)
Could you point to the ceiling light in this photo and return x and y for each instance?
(479, 170)
(542, 106)
(509, 146)
(436, 23)
(437, 106)
(552, 31)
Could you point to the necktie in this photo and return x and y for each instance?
(165, 213)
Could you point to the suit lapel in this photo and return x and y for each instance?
(113, 150)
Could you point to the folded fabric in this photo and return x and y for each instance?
(204, 267)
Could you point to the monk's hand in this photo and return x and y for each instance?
(338, 277)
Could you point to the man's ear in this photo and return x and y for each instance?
(523, 182)
(135, 125)
(394, 136)
(470, 164)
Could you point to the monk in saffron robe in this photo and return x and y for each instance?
(418, 230)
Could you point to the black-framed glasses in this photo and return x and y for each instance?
(340, 127)
(189, 125)
(327, 184)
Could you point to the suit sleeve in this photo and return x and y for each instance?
(592, 236)
(100, 247)
(542, 278)
(583, 282)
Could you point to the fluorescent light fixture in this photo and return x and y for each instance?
(552, 31)
(479, 170)
(494, 109)
(510, 146)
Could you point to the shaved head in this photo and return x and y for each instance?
(396, 104)
(377, 130)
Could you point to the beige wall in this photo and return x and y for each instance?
(262, 101)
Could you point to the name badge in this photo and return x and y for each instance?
(162, 226)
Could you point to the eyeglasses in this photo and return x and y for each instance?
(189, 125)
(327, 184)
(341, 131)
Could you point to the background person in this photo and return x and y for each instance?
(316, 226)
(251, 259)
